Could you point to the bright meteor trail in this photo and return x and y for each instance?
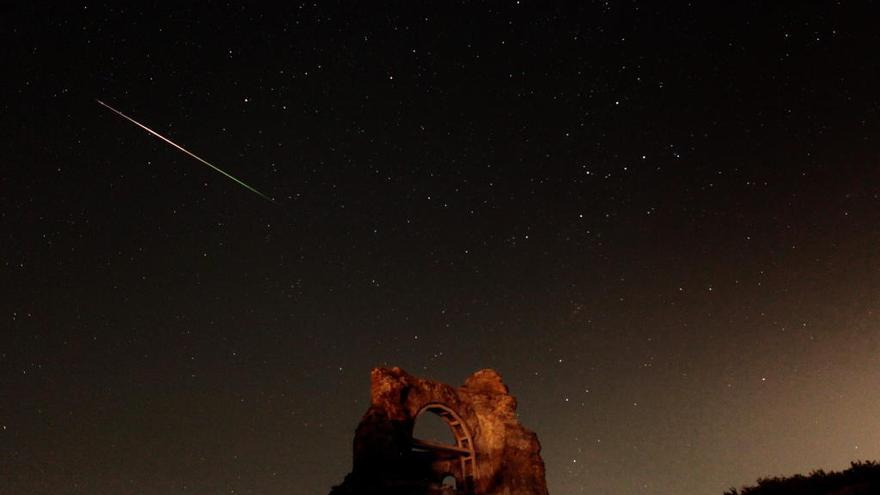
(181, 148)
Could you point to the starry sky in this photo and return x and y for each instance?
(658, 221)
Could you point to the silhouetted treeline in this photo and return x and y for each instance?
(862, 478)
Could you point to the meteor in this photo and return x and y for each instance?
(181, 148)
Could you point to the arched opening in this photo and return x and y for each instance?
(433, 428)
(448, 485)
(440, 435)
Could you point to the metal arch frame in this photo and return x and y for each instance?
(463, 440)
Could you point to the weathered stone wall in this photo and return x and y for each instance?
(507, 458)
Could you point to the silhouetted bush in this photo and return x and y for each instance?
(862, 478)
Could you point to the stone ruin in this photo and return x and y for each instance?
(493, 453)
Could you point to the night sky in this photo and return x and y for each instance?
(658, 221)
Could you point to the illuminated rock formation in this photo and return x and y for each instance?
(493, 453)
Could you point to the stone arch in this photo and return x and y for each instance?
(463, 454)
(493, 453)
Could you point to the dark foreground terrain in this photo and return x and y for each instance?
(862, 478)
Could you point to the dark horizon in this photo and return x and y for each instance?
(659, 223)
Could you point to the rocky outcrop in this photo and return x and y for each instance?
(493, 453)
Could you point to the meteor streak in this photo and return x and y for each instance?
(181, 148)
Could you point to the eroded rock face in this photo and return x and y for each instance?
(493, 454)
